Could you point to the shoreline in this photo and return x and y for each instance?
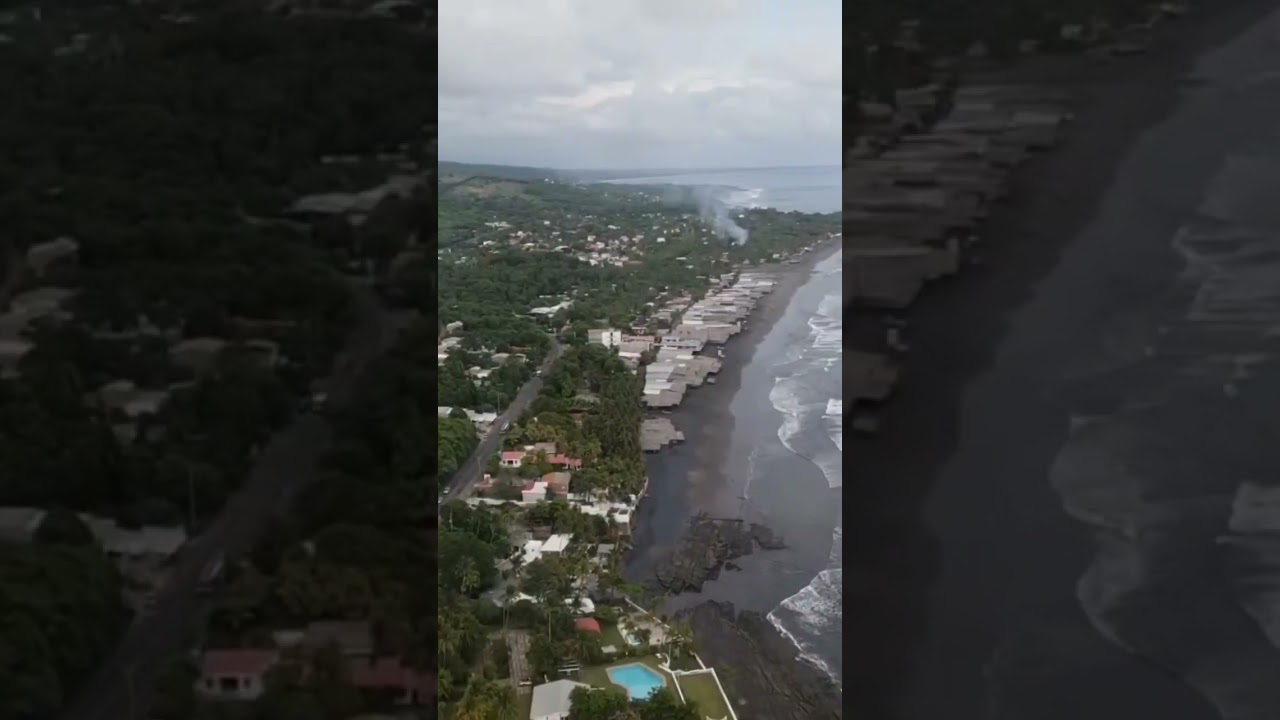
(766, 669)
(956, 331)
(716, 397)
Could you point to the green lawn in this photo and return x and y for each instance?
(610, 635)
(701, 691)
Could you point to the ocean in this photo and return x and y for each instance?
(1106, 519)
(805, 390)
(803, 383)
(802, 189)
(784, 466)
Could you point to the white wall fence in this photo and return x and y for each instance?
(704, 670)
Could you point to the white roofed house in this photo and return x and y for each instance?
(197, 355)
(41, 257)
(607, 337)
(128, 403)
(554, 700)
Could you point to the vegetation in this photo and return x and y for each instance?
(169, 142)
(60, 612)
(611, 703)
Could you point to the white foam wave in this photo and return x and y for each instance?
(827, 334)
(834, 418)
(785, 398)
(800, 410)
(745, 198)
(832, 306)
(812, 613)
(803, 395)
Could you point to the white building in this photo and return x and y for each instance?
(534, 492)
(534, 549)
(607, 337)
(553, 700)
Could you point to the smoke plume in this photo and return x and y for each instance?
(715, 212)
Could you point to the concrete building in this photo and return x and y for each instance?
(607, 337)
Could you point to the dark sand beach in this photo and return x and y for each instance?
(689, 477)
(1044, 527)
(707, 473)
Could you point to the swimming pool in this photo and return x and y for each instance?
(639, 681)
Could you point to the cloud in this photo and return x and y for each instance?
(640, 83)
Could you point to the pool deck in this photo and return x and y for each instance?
(697, 688)
(662, 676)
(598, 675)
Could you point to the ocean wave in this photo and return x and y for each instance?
(785, 398)
(808, 397)
(804, 420)
(834, 418)
(745, 198)
(813, 615)
(827, 333)
(1186, 545)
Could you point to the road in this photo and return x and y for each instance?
(464, 481)
(122, 687)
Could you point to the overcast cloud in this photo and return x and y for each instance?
(640, 83)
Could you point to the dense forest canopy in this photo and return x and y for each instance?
(167, 143)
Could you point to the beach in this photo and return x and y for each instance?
(1070, 509)
(734, 463)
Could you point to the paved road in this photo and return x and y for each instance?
(122, 687)
(464, 481)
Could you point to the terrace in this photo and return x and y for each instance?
(698, 686)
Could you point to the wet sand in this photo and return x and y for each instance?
(963, 600)
(706, 473)
(690, 477)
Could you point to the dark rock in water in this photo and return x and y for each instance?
(732, 566)
(708, 544)
(760, 669)
(766, 538)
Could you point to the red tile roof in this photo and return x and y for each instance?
(587, 624)
(239, 661)
(565, 461)
(513, 455)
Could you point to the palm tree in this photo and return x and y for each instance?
(509, 593)
(445, 684)
(469, 576)
(503, 704)
(679, 638)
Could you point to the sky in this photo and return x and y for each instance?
(614, 84)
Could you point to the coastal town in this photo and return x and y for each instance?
(535, 550)
(185, 316)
